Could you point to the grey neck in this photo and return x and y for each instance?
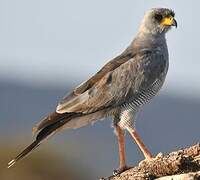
(149, 40)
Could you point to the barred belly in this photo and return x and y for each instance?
(129, 110)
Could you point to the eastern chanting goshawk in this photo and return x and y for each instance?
(117, 90)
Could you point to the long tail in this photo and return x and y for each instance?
(25, 152)
(48, 130)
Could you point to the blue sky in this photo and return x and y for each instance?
(52, 43)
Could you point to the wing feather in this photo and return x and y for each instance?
(116, 86)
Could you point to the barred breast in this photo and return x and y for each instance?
(130, 109)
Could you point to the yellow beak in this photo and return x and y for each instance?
(169, 21)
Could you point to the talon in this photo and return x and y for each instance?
(102, 178)
(159, 156)
(146, 161)
(117, 172)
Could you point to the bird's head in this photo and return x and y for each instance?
(158, 21)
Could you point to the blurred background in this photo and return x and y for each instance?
(48, 47)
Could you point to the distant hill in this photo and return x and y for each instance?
(165, 124)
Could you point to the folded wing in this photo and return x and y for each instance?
(110, 87)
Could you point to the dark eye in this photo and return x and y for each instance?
(172, 14)
(158, 17)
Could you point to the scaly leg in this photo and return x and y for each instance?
(121, 144)
(139, 142)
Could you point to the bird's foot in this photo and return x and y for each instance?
(159, 156)
(150, 159)
(117, 172)
(104, 178)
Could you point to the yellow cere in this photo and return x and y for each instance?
(167, 21)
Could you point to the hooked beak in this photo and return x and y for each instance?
(169, 21)
(174, 23)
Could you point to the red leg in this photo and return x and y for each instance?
(139, 142)
(121, 143)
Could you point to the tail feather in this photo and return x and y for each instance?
(47, 131)
(50, 119)
(24, 153)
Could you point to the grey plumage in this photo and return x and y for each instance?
(120, 88)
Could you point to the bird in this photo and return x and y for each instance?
(118, 90)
